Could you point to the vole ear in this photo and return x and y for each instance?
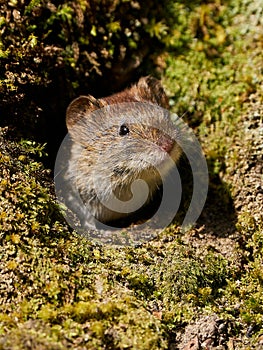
(152, 90)
(80, 108)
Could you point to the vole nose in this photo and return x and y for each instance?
(166, 143)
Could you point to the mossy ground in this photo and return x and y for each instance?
(60, 291)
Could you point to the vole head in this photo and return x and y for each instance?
(128, 133)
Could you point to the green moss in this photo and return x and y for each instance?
(213, 96)
(61, 291)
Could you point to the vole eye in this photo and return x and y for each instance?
(124, 130)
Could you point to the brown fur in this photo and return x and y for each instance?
(100, 155)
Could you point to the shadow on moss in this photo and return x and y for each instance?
(219, 215)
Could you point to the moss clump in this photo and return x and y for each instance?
(51, 51)
(221, 98)
(55, 291)
(61, 291)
